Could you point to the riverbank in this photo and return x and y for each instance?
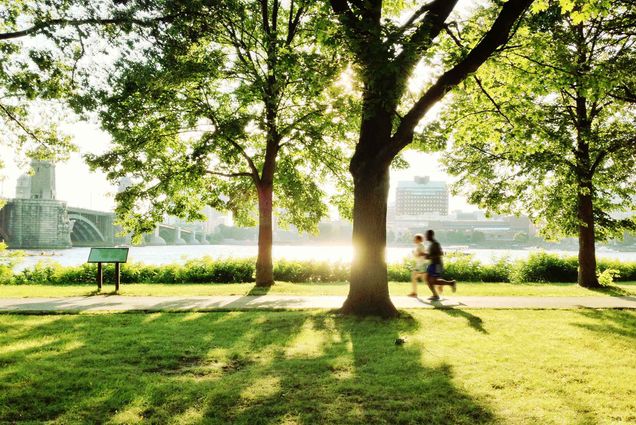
(157, 255)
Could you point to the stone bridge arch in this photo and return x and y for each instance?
(84, 230)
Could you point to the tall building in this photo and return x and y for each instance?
(421, 197)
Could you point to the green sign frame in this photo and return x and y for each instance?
(108, 255)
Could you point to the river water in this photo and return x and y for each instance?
(332, 253)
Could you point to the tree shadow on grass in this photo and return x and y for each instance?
(259, 290)
(352, 372)
(238, 367)
(614, 291)
(474, 321)
(620, 323)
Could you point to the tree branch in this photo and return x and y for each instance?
(216, 173)
(22, 126)
(265, 16)
(490, 98)
(414, 17)
(428, 29)
(248, 158)
(292, 25)
(496, 36)
(80, 22)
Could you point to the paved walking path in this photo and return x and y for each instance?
(291, 302)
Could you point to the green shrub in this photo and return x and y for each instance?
(8, 260)
(463, 267)
(42, 273)
(539, 267)
(543, 267)
(400, 272)
(497, 272)
(607, 277)
(626, 271)
(310, 271)
(6, 274)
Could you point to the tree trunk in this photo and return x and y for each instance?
(369, 290)
(264, 266)
(587, 251)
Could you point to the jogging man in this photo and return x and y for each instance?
(436, 267)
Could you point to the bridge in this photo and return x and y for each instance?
(31, 224)
(36, 220)
(91, 228)
(166, 234)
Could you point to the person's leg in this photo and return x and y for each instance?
(441, 282)
(414, 276)
(431, 280)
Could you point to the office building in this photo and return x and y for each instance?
(421, 197)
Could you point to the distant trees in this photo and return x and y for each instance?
(477, 237)
(546, 128)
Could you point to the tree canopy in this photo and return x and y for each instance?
(231, 105)
(43, 45)
(547, 126)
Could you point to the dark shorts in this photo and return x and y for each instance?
(434, 270)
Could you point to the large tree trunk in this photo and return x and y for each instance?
(587, 251)
(369, 289)
(264, 266)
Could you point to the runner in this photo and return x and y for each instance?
(419, 270)
(436, 267)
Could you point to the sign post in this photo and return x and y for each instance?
(100, 256)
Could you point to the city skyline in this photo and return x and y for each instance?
(80, 187)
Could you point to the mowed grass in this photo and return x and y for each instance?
(456, 367)
(338, 288)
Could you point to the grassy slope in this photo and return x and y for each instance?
(460, 367)
(548, 290)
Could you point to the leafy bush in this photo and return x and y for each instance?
(539, 267)
(310, 271)
(400, 272)
(626, 271)
(497, 272)
(463, 267)
(543, 267)
(607, 276)
(8, 259)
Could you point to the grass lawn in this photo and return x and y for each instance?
(396, 288)
(456, 367)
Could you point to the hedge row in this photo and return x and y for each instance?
(539, 267)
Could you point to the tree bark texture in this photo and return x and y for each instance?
(264, 265)
(587, 251)
(368, 289)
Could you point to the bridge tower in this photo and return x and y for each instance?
(36, 221)
(43, 180)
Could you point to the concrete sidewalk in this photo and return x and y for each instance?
(119, 303)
